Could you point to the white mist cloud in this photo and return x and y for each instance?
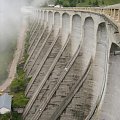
(10, 20)
(40, 2)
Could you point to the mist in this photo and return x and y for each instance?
(38, 3)
(10, 22)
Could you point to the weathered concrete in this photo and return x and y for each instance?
(46, 65)
(50, 85)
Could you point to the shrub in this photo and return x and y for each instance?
(6, 116)
(19, 100)
(19, 83)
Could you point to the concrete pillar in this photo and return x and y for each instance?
(118, 19)
(70, 23)
(60, 20)
(53, 18)
(114, 14)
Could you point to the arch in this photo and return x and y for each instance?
(65, 27)
(39, 12)
(76, 32)
(102, 33)
(88, 47)
(42, 17)
(56, 22)
(100, 60)
(45, 16)
(50, 19)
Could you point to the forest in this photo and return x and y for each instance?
(77, 3)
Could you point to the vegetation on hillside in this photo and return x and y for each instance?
(11, 116)
(18, 85)
(77, 3)
(17, 88)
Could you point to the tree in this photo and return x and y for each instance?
(66, 3)
(96, 3)
(103, 2)
(90, 2)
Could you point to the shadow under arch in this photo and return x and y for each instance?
(65, 27)
(76, 32)
(56, 22)
(42, 17)
(88, 46)
(100, 60)
(115, 49)
(50, 19)
(45, 16)
(100, 68)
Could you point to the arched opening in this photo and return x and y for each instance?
(42, 17)
(65, 27)
(115, 49)
(76, 32)
(39, 17)
(88, 46)
(56, 23)
(100, 61)
(50, 19)
(45, 16)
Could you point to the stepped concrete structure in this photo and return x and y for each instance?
(74, 64)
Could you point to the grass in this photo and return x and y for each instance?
(17, 89)
(19, 100)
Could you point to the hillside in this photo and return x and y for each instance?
(73, 3)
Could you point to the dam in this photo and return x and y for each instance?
(74, 64)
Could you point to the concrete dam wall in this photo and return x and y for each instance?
(69, 53)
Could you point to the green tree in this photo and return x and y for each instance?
(96, 3)
(66, 3)
(103, 2)
(90, 2)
